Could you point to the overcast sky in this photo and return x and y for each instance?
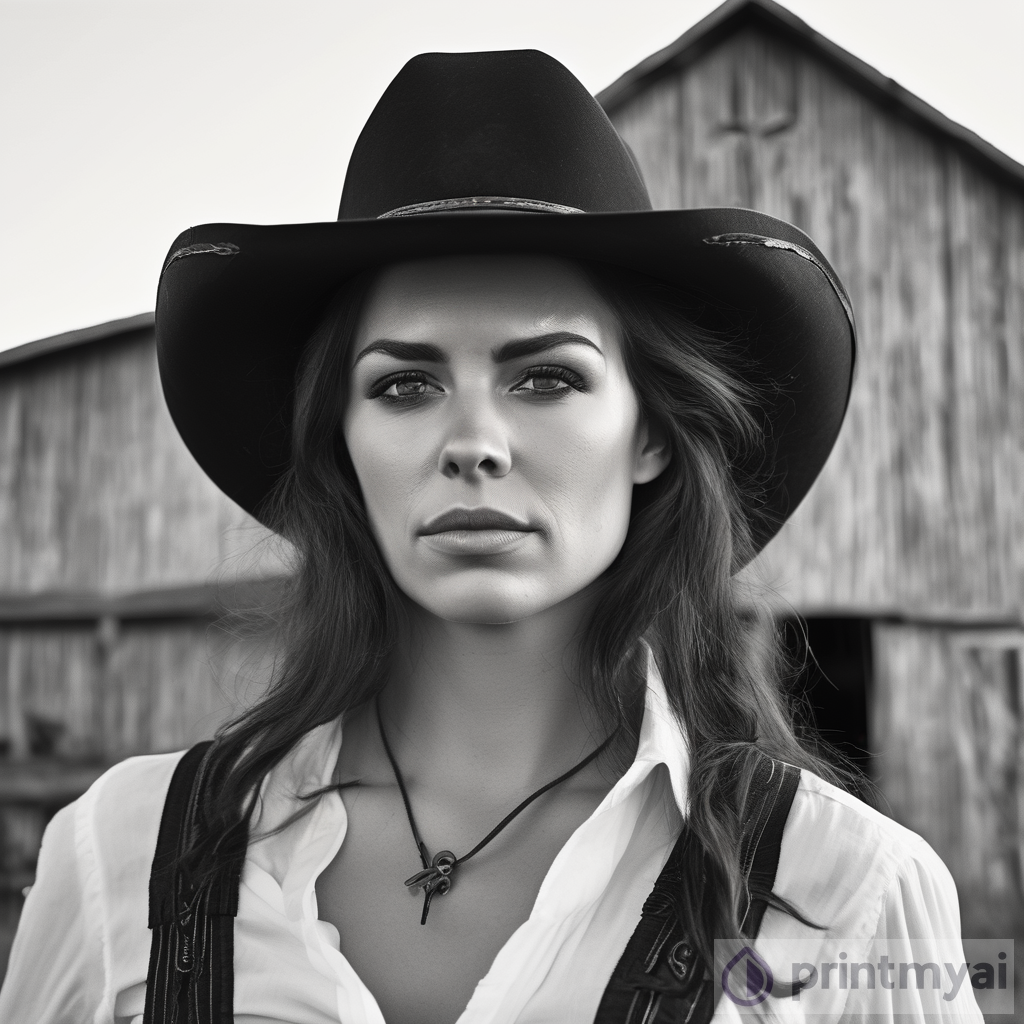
(123, 122)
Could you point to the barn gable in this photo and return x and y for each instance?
(774, 19)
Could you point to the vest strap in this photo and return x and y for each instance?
(660, 979)
(191, 958)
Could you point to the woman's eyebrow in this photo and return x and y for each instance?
(531, 346)
(412, 351)
(423, 352)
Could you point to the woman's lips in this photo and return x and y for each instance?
(473, 519)
(475, 531)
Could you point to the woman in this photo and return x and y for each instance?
(522, 431)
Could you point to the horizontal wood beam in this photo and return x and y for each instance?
(38, 781)
(210, 601)
(205, 601)
(938, 619)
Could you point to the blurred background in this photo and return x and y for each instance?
(123, 123)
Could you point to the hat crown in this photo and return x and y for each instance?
(506, 123)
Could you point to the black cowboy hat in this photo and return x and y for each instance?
(456, 138)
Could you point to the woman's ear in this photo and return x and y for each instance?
(653, 453)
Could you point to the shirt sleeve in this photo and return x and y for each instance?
(924, 976)
(56, 973)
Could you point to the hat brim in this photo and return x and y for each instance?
(236, 304)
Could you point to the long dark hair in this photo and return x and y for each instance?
(673, 588)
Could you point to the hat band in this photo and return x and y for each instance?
(479, 203)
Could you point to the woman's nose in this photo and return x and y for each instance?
(476, 447)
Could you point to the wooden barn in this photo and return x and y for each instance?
(905, 560)
(117, 560)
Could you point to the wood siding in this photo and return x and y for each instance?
(116, 553)
(920, 509)
(110, 538)
(99, 694)
(75, 699)
(97, 491)
(948, 731)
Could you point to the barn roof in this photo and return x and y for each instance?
(734, 15)
(70, 339)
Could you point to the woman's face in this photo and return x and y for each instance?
(494, 433)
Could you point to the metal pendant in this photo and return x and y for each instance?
(435, 880)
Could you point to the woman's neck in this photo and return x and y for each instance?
(466, 699)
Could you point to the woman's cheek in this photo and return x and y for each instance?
(383, 475)
(589, 485)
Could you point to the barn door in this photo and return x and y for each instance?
(946, 728)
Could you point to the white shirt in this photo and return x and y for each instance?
(82, 947)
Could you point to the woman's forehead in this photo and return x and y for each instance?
(513, 293)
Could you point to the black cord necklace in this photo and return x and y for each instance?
(438, 873)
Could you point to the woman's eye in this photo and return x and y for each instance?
(405, 387)
(402, 388)
(550, 382)
(545, 384)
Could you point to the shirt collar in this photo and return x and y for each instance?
(662, 739)
(310, 764)
(307, 767)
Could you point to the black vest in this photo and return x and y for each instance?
(658, 979)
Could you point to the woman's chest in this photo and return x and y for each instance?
(427, 973)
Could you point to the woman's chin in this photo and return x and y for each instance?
(486, 612)
(484, 606)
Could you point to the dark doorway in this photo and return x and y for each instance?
(834, 660)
